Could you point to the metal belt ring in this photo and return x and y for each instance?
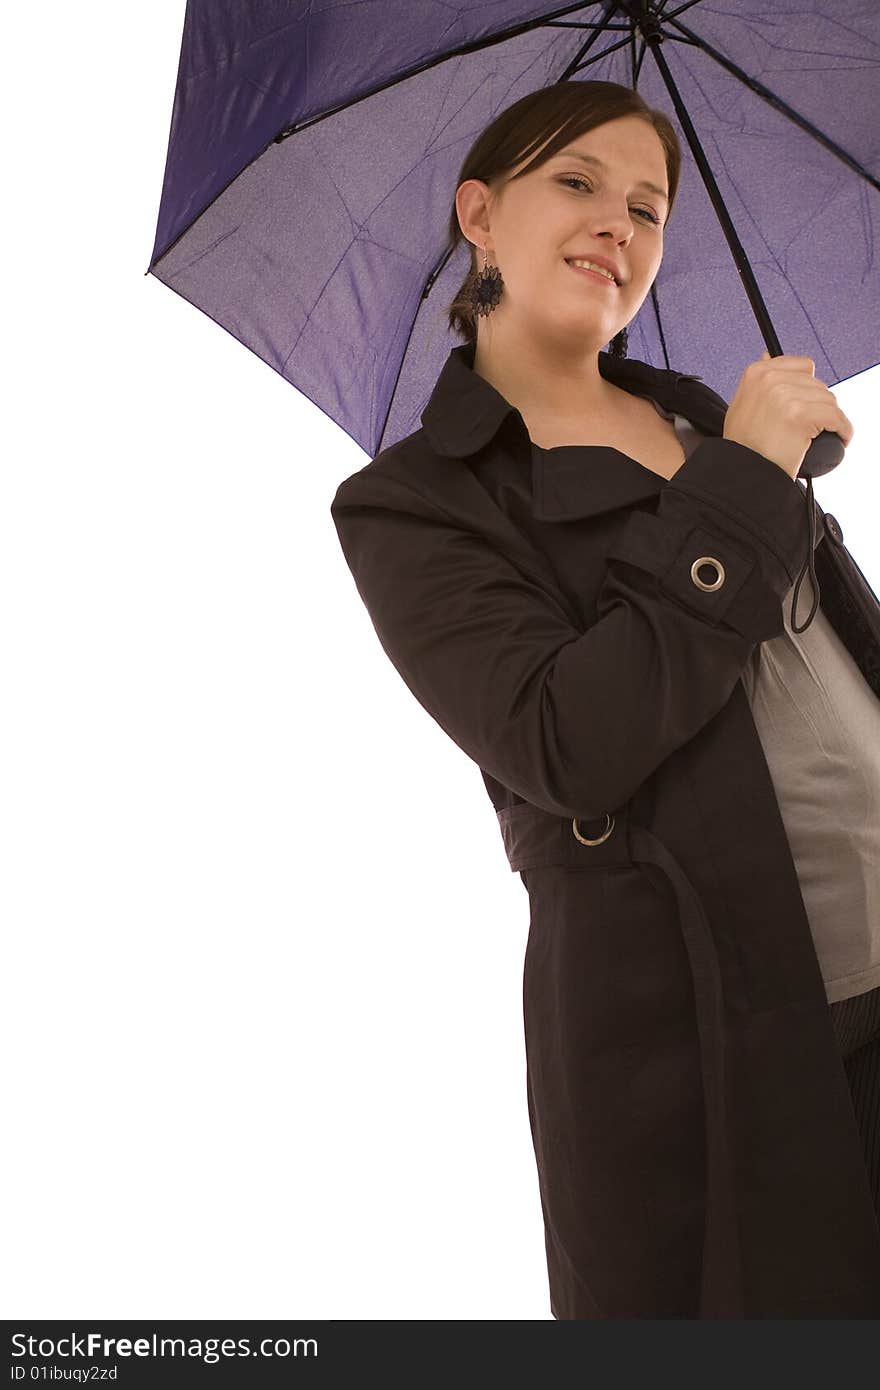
(604, 836)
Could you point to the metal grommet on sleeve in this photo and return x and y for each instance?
(740, 593)
(700, 583)
(603, 836)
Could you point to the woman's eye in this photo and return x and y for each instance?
(575, 178)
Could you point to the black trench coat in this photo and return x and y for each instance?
(579, 626)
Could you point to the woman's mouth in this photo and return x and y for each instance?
(594, 274)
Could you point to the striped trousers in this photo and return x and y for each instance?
(856, 1023)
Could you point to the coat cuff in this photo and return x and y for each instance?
(727, 540)
(751, 493)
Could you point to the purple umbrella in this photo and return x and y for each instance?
(313, 157)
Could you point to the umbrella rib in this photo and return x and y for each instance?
(776, 102)
(655, 302)
(474, 46)
(574, 62)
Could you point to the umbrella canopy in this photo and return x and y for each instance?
(314, 153)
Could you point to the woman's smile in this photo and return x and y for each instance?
(594, 274)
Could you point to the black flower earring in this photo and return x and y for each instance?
(619, 344)
(487, 288)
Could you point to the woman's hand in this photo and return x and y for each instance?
(779, 408)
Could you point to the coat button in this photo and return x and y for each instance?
(716, 583)
(832, 526)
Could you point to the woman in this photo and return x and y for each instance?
(580, 566)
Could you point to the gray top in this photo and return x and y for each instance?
(819, 725)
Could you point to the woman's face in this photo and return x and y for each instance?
(567, 208)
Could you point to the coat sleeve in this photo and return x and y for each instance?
(574, 721)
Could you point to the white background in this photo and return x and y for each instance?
(262, 946)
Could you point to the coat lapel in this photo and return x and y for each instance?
(578, 481)
(465, 413)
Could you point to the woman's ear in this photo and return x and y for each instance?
(472, 208)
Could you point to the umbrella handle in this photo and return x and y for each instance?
(825, 452)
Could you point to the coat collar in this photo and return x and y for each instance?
(465, 412)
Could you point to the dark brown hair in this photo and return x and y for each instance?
(569, 109)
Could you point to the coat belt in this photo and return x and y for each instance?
(532, 838)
